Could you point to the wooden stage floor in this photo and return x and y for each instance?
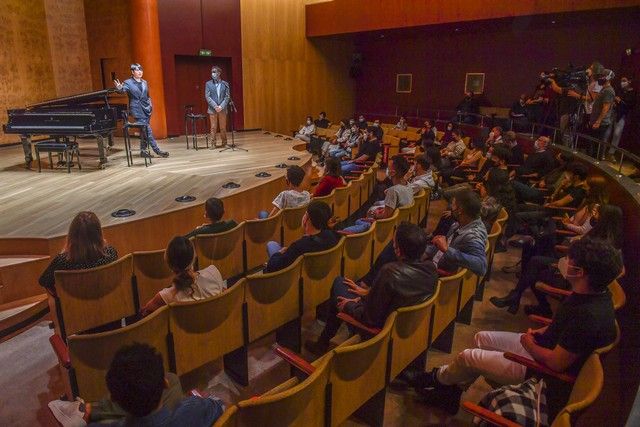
(42, 204)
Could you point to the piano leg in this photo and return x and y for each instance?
(26, 147)
(110, 140)
(101, 152)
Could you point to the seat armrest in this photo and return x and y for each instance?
(539, 367)
(488, 415)
(294, 359)
(561, 248)
(444, 273)
(566, 232)
(564, 208)
(359, 325)
(61, 350)
(552, 290)
(540, 319)
(196, 393)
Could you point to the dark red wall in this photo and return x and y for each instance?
(185, 28)
(511, 52)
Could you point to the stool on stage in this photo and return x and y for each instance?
(192, 118)
(65, 148)
(142, 129)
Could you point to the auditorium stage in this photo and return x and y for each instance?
(42, 204)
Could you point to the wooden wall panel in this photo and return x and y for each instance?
(286, 76)
(109, 39)
(69, 48)
(25, 64)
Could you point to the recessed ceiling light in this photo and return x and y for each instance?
(457, 29)
(553, 22)
(381, 36)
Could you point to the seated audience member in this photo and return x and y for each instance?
(447, 137)
(435, 159)
(331, 178)
(378, 129)
(511, 142)
(396, 196)
(467, 108)
(494, 138)
(584, 322)
(142, 394)
(293, 197)
(537, 262)
(317, 237)
(537, 164)
(454, 150)
(344, 149)
(213, 212)
(470, 160)
(499, 159)
(427, 135)
(330, 147)
(597, 196)
(402, 124)
(535, 104)
(187, 285)
(306, 130)
(362, 122)
(85, 248)
(322, 121)
(462, 247)
(496, 193)
(404, 282)
(534, 193)
(518, 114)
(421, 175)
(368, 151)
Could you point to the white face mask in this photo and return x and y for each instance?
(536, 145)
(492, 134)
(624, 84)
(564, 267)
(308, 122)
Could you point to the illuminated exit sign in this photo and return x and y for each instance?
(205, 52)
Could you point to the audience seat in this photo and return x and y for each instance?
(404, 212)
(292, 224)
(319, 269)
(94, 297)
(414, 212)
(355, 192)
(274, 303)
(86, 357)
(468, 289)
(328, 199)
(150, 274)
(446, 311)
(384, 232)
(257, 232)
(205, 330)
(224, 250)
(341, 202)
(358, 251)
(422, 200)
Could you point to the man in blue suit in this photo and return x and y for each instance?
(218, 95)
(140, 106)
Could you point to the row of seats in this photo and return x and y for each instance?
(352, 378)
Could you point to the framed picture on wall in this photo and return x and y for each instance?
(404, 82)
(474, 82)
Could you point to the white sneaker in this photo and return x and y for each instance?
(69, 414)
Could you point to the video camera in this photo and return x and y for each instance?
(570, 77)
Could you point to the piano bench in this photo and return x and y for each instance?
(67, 149)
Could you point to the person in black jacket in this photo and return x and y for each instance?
(317, 237)
(538, 164)
(405, 282)
(322, 121)
(213, 212)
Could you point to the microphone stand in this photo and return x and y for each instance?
(233, 146)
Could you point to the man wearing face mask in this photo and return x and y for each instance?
(602, 110)
(140, 106)
(378, 129)
(362, 122)
(538, 164)
(584, 322)
(624, 104)
(308, 129)
(217, 94)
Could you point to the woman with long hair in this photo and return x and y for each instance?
(85, 248)
(331, 179)
(597, 195)
(187, 284)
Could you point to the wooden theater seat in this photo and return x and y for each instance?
(224, 250)
(422, 200)
(328, 199)
(468, 289)
(319, 269)
(446, 310)
(414, 212)
(151, 273)
(205, 330)
(291, 224)
(497, 229)
(404, 212)
(94, 297)
(358, 251)
(384, 233)
(257, 232)
(87, 357)
(341, 202)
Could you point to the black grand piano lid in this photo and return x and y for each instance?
(80, 98)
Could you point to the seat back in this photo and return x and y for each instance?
(205, 330)
(354, 194)
(290, 404)
(359, 371)
(91, 354)
(410, 333)
(467, 289)
(421, 200)
(358, 251)
(384, 233)
(328, 199)
(492, 241)
(292, 224)
(257, 232)
(617, 295)
(224, 250)
(414, 212)
(318, 271)
(273, 299)
(404, 213)
(341, 202)
(584, 392)
(503, 216)
(446, 304)
(367, 185)
(150, 274)
(94, 297)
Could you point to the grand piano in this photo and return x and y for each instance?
(65, 119)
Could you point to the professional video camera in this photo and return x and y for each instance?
(571, 77)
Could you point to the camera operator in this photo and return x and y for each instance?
(601, 115)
